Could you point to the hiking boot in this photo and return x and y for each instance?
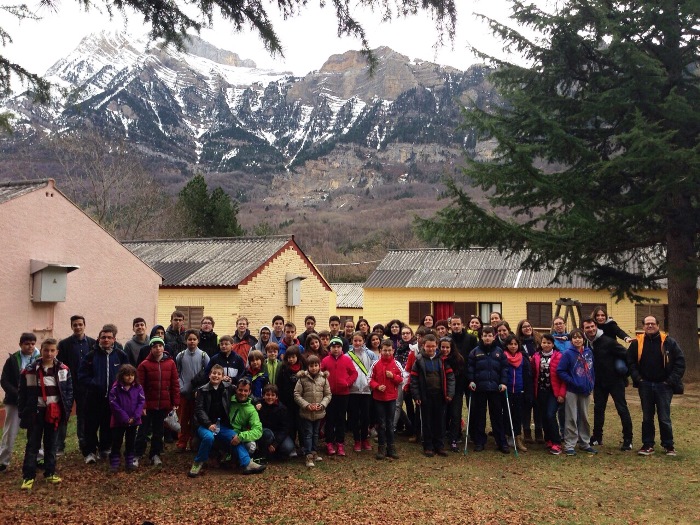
(357, 447)
(555, 450)
(646, 450)
(519, 442)
(310, 460)
(156, 461)
(340, 449)
(253, 468)
(391, 452)
(330, 449)
(53, 478)
(528, 436)
(366, 445)
(196, 469)
(626, 445)
(27, 484)
(381, 452)
(90, 459)
(670, 451)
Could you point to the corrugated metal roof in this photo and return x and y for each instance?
(207, 262)
(12, 190)
(348, 295)
(473, 268)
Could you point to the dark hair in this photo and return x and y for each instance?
(521, 337)
(548, 337)
(576, 331)
(373, 334)
(309, 318)
(277, 318)
(588, 320)
(488, 329)
(207, 317)
(363, 321)
(394, 321)
(443, 323)
(503, 323)
(290, 324)
(216, 367)
(422, 321)
(386, 342)
(599, 308)
(313, 360)
(177, 313)
(379, 327)
(256, 354)
(191, 332)
(333, 318)
(27, 336)
(138, 320)
(510, 338)
(76, 317)
(455, 359)
(430, 337)
(110, 327)
(293, 350)
(127, 370)
(271, 387)
(226, 338)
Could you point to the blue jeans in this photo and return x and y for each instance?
(268, 438)
(548, 407)
(309, 435)
(656, 398)
(225, 435)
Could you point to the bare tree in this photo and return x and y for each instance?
(107, 179)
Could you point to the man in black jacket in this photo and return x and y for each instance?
(608, 382)
(71, 352)
(657, 365)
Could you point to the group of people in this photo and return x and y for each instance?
(244, 399)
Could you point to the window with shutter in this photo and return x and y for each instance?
(193, 316)
(540, 315)
(417, 310)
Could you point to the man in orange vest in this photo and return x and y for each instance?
(656, 364)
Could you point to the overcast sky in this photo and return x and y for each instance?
(308, 39)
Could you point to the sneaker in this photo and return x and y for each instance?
(318, 457)
(60, 453)
(90, 459)
(330, 449)
(253, 468)
(366, 445)
(196, 469)
(646, 451)
(596, 442)
(548, 444)
(453, 447)
(53, 478)
(310, 460)
(340, 448)
(589, 450)
(293, 454)
(670, 451)
(156, 461)
(570, 452)
(135, 463)
(27, 484)
(626, 445)
(478, 448)
(357, 447)
(555, 449)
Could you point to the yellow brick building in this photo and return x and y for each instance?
(408, 284)
(255, 277)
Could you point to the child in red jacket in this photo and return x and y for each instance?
(157, 374)
(385, 376)
(550, 391)
(341, 375)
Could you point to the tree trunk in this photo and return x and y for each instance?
(683, 290)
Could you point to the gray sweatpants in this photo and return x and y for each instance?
(577, 429)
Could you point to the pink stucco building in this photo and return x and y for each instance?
(58, 262)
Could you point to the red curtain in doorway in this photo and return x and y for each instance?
(444, 310)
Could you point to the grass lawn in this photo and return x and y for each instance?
(613, 487)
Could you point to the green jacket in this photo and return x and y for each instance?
(245, 420)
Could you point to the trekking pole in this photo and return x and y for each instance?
(469, 411)
(510, 418)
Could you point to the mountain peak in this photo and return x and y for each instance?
(201, 48)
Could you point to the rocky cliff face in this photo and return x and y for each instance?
(208, 109)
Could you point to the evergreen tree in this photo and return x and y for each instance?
(597, 166)
(205, 215)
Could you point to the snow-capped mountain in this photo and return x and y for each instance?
(212, 110)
